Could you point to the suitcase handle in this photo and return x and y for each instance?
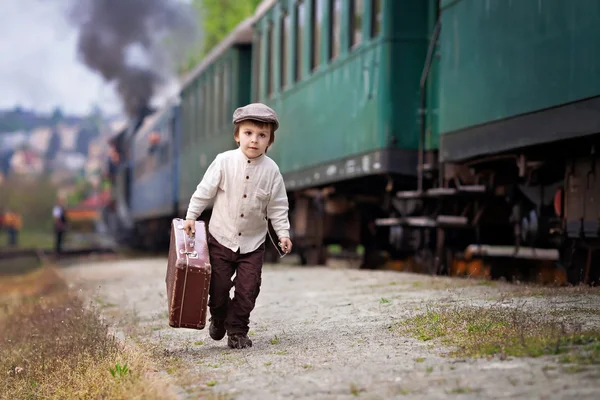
(192, 242)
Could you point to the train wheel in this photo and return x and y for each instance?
(578, 263)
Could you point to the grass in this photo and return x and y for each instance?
(533, 290)
(29, 239)
(504, 331)
(53, 346)
(275, 340)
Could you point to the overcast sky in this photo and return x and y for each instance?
(39, 67)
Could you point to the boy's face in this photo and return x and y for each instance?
(253, 139)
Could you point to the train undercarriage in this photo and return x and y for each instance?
(517, 210)
(527, 215)
(342, 214)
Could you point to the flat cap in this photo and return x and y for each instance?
(256, 111)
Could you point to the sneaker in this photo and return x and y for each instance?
(217, 329)
(239, 341)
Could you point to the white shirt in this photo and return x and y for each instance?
(245, 191)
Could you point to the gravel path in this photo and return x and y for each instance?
(324, 333)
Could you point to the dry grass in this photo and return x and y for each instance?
(504, 330)
(53, 346)
(533, 290)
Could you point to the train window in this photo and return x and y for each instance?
(356, 14)
(226, 91)
(217, 99)
(285, 36)
(257, 64)
(205, 109)
(299, 36)
(376, 17)
(209, 105)
(334, 26)
(185, 123)
(273, 61)
(194, 107)
(316, 21)
(198, 111)
(269, 64)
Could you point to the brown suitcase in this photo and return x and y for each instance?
(188, 277)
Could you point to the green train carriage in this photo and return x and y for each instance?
(519, 94)
(344, 78)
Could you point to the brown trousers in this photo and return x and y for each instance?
(248, 269)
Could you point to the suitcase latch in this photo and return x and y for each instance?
(192, 254)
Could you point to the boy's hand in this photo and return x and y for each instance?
(189, 226)
(286, 245)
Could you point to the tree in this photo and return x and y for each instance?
(222, 16)
(218, 18)
(57, 116)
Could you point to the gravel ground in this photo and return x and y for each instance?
(324, 333)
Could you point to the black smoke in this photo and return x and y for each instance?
(134, 44)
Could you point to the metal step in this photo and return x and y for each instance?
(441, 191)
(408, 221)
(388, 221)
(424, 222)
(529, 253)
(409, 194)
(452, 221)
(438, 192)
(472, 189)
(443, 221)
(421, 222)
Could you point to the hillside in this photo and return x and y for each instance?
(19, 119)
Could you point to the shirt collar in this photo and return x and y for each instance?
(250, 160)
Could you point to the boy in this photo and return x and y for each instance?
(247, 187)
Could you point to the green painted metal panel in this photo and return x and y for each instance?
(432, 134)
(207, 129)
(408, 39)
(502, 58)
(366, 99)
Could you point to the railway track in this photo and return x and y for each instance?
(46, 253)
(19, 261)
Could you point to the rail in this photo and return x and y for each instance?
(43, 254)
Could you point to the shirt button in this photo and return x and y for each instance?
(240, 234)
(247, 177)
(248, 161)
(242, 215)
(245, 196)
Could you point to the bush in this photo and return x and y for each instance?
(33, 199)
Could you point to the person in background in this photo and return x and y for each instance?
(113, 163)
(13, 223)
(60, 223)
(1, 220)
